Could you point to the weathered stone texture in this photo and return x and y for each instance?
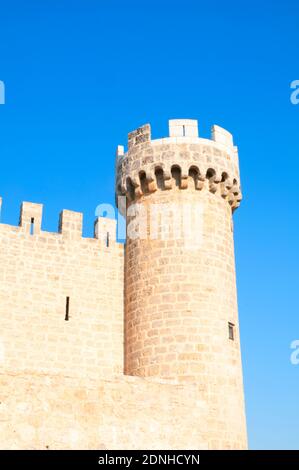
(56, 412)
(38, 272)
(141, 358)
(180, 293)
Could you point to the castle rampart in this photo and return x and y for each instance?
(110, 347)
(57, 314)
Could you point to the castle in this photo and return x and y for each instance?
(135, 346)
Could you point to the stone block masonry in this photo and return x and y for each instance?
(42, 272)
(181, 314)
(106, 346)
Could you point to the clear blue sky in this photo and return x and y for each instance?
(79, 75)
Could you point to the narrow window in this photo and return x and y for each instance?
(32, 226)
(67, 309)
(107, 240)
(231, 331)
(184, 131)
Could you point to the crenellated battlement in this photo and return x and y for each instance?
(106, 345)
(151, 165)
(55, 289)
(70, 225)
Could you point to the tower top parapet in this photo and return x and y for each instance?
(213, 162)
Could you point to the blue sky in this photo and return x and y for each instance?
(80, 75)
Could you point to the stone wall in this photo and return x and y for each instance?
(55, 412)
(38, 272)
(62, 316)
(181, 313)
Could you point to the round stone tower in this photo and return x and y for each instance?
(181, 314)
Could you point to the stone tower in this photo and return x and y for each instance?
(181, 314)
